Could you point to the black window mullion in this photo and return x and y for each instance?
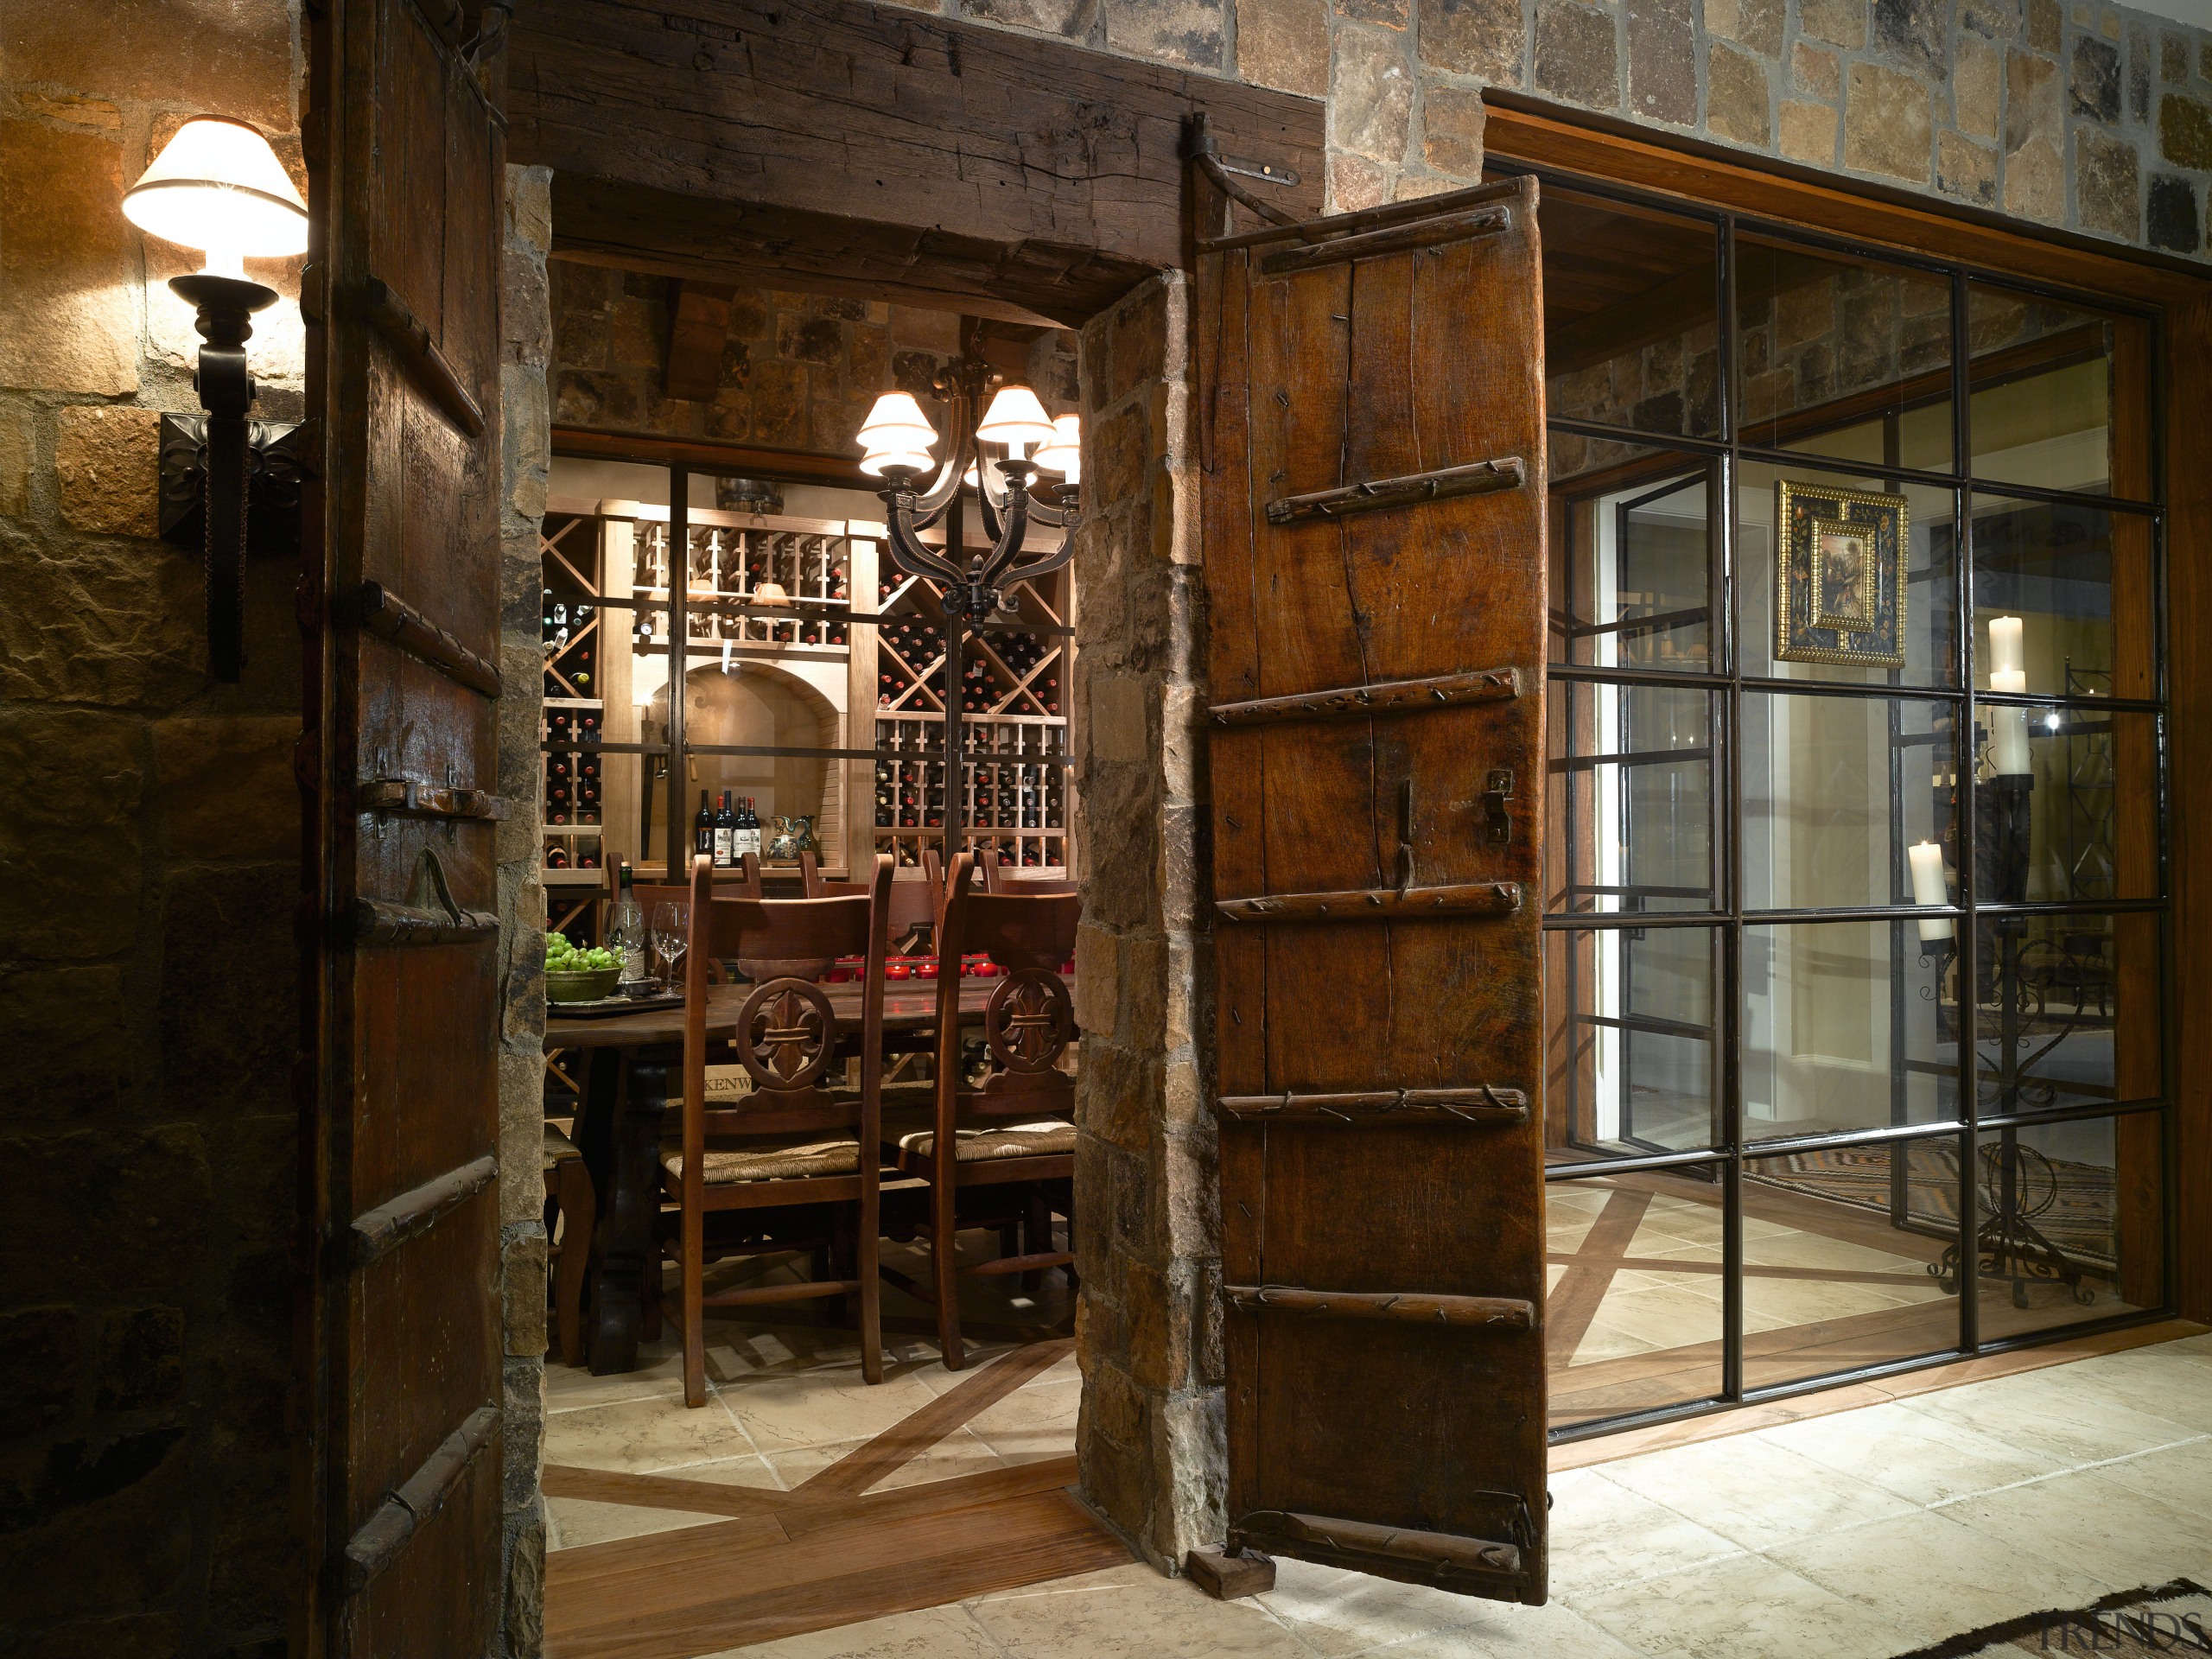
(1968, 934)
(1729, 829)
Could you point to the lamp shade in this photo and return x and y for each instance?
(877, 462)
(1063, 452)
(218, 186)
(896, 423)
(1015, 416)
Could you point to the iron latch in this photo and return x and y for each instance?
(1497, 790)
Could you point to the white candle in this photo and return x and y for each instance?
(1929, 888)
(2008, 742)
(2006, 655)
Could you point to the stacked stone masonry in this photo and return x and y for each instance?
(150, 836)
(1147, 1332)
(2093, 118)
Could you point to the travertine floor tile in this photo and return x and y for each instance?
(1604, 1537)
(2123, 1537)
(2178, 1474)
(1921, 1457)
(1752, 1492)
(2023, 1412)
(1131, 1613)
(643, 1436)
(572, 1523)
(1933, 1578)
(1741, 1607)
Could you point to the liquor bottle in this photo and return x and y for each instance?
(725, 848)
(625, 935)
(703, 829)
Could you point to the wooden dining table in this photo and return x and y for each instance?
(631, 1079)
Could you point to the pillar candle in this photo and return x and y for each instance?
(2008, 727)
(2006, 655)
(1929, 888)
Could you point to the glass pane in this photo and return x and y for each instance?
(1842, 1247)
(2068, 804)
(2079, 580)
(1632, 797)
(1835, 790)
(1629, 301)
(1847, 1026)
(1632, 564)
(2060, 395)
(1633, 1066)
(2066, 1011)
(2072, 1223)
(1925, 603)
(1845, 357)
(1632, 1316)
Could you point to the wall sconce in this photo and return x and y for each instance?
(218, 186)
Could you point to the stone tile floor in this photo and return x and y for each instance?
(1858, 1535)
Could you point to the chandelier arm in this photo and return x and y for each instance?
(911, 556)
(994, 524)
(1046, 566)
(946, 484)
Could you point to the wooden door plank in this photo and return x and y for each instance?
(1409, 359)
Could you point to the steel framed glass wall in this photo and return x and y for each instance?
(1856, 905)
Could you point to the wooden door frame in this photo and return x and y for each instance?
(1523, 131)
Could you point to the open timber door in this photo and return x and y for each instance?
(400, 1473)
(1371, 429)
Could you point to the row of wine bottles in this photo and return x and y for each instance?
(586, 857)
(726, 832)
(909, 855)
(565, 726)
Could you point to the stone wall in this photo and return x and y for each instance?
(1148, 1240)
(149, 834)
(2088, 116)
(524, 349)
(798, 370)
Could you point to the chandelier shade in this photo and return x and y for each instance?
(1063, 452)
(1015, 416)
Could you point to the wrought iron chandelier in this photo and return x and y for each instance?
(897, 439)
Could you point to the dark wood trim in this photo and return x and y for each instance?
(708, 455)
(1523, 129)
(2188, 646)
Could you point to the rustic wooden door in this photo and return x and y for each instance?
(400, 1480)
(1371, 426)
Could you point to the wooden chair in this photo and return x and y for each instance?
(1019, 1125)
(914, 904)
(569, 1199)
(794, 1140)
(999, 878)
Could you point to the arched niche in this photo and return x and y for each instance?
(759, 704)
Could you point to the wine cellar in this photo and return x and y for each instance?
(829, 721)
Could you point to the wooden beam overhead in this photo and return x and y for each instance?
(873, 150)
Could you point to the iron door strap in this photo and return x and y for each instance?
(1405, 490)
(1376, 904)
(1383, 698)
(1417, 1307)
(1480, 1104)
(1395, 239)
(1441, 1559)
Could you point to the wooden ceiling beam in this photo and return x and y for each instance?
(897, 154)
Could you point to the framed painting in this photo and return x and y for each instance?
(1838, 577)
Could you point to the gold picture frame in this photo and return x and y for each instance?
(1839, 574)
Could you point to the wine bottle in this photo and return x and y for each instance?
(557, 858)
(725, 848)
(703, 829)
(751, 830)
(626, 932)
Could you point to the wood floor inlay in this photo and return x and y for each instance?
(828, 1552)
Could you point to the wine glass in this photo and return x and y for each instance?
(671, 934)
